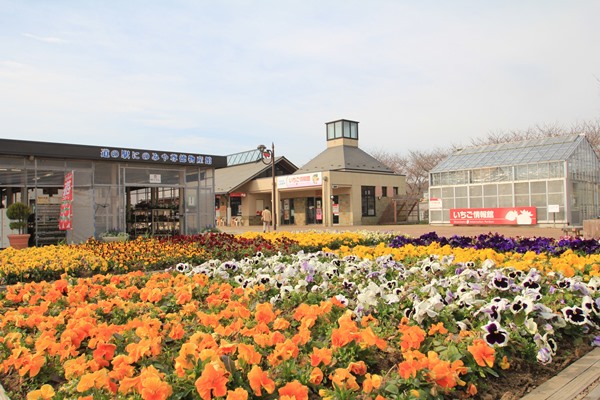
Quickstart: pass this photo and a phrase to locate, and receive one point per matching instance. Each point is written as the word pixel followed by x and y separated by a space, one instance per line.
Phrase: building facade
pixel 142 192
pixel 343 185
pixel 549 181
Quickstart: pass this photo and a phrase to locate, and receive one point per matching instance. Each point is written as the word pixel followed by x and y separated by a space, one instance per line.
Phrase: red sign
pixel 65 220
pixel 493 216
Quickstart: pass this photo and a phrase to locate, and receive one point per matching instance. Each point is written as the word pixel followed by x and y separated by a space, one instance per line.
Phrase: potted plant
pixel 18 213
pixel 114 235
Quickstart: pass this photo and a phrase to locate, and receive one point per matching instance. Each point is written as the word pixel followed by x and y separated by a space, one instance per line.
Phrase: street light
pixel 268 157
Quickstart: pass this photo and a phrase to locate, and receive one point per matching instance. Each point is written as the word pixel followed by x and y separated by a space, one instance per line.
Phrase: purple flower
pixel 596 341
pixel 495 335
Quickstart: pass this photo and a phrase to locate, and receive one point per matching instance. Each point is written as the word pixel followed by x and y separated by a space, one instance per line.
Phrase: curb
pixel 580 380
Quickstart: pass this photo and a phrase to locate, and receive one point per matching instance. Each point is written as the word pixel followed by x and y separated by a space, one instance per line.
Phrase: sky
pixel 221 77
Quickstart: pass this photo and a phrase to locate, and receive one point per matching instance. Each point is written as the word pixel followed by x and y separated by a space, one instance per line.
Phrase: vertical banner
pixel 65 221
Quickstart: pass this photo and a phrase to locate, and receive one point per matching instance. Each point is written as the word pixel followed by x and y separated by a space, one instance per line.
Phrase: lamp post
pixel 268 156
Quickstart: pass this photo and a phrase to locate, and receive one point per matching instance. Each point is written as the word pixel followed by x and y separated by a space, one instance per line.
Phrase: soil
pixel 521 378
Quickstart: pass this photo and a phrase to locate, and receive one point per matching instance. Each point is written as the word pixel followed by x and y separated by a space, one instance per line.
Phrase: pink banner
pixel 65 220
pixel 494 216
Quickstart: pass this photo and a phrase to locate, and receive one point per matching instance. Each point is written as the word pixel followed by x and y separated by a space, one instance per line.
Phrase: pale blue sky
pixel 219 77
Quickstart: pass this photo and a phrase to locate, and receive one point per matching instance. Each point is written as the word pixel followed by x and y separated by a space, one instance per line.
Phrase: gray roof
pixel 344 158
pixel 558 148
pixel 231 178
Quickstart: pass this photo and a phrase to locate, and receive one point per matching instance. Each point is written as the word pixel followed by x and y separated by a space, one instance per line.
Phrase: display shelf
pixel 46 225
pixel 153 222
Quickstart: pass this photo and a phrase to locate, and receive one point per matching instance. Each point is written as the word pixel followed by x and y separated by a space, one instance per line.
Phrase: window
pixel 384 191
pixel 395 190
pixel 368 200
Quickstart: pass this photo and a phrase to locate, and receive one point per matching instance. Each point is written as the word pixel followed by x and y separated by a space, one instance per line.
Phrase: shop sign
pixel 435 203
pixel 301 180
pixel 65 219
pixel 494 216
pixel 156 156
pixel 237 194
pixel 155 178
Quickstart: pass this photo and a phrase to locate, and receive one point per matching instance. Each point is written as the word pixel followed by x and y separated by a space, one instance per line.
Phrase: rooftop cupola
pixel 342 133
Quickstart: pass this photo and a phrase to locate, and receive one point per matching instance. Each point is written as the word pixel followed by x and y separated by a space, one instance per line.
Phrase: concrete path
pixel 414 230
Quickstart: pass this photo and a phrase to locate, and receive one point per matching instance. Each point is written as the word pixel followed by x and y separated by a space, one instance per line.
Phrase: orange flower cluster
pixel 149 335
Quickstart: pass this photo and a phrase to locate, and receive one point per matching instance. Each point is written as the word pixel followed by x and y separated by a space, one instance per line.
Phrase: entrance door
pixel 335 206
pixel 314 210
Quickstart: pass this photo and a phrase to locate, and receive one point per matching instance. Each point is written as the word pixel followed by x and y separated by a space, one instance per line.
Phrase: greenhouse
pixel 548 181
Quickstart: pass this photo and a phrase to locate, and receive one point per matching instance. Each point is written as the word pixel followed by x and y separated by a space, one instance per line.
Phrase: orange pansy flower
pixel 264 313
pixel 358 368
pixel 212 382
pixel 259 379
pixel 237 394
pixel 483 354
pixel 316 376
pixel 248 353
pixel 437 328
pixel 371 382
pixel 293 391
pixel 44 393
pixel 153 388
pixel 342 378
pixel 320 356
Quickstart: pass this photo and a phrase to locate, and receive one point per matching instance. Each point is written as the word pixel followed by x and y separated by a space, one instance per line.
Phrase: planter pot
pixel 110 239
pixel 19 241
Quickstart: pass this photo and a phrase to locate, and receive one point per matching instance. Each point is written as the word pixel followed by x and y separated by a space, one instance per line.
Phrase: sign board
pixel 155 178
pixel 65 219
pixel 435 203
pixel 553 208
pixel 494 216
pixel 300 180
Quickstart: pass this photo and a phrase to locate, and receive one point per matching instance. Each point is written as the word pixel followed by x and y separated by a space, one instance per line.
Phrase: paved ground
pixel 416 230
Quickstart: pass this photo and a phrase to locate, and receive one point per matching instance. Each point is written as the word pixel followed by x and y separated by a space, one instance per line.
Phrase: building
pixel 143 192
pixel 554 180
pixel 343 185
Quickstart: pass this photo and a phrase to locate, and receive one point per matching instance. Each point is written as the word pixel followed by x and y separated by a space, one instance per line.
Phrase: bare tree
pixel 415 166
pixel 591 129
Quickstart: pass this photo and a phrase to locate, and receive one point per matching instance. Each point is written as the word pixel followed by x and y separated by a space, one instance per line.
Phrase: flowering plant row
pixel 147 254
pixel 291 326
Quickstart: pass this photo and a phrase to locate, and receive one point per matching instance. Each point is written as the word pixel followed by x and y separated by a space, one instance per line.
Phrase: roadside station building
pixel 143 192
pixel 343 185
pixel 549 181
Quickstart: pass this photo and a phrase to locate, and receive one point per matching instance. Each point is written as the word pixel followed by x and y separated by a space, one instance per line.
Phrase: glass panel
pixel 354 130
pixel 461 202
pixel 505 201
pixel 538 200
pixel 522 188
pixel 435 215
pixel 556 186
pixel 489 190
pixel 538 187
pixel 490 201
pixel 476 202
pixel 460 191
pixel 435 192
pixel 338 129
pixel 521 200
pixel 330 131
pixel 521 172
pixel 476 190
pixel 556 198
pixel 137 176
pixel 346 132
pixel 106 173
pixel 505 189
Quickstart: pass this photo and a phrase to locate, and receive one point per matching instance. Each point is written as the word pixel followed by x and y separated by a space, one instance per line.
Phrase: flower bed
pixel 426 321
